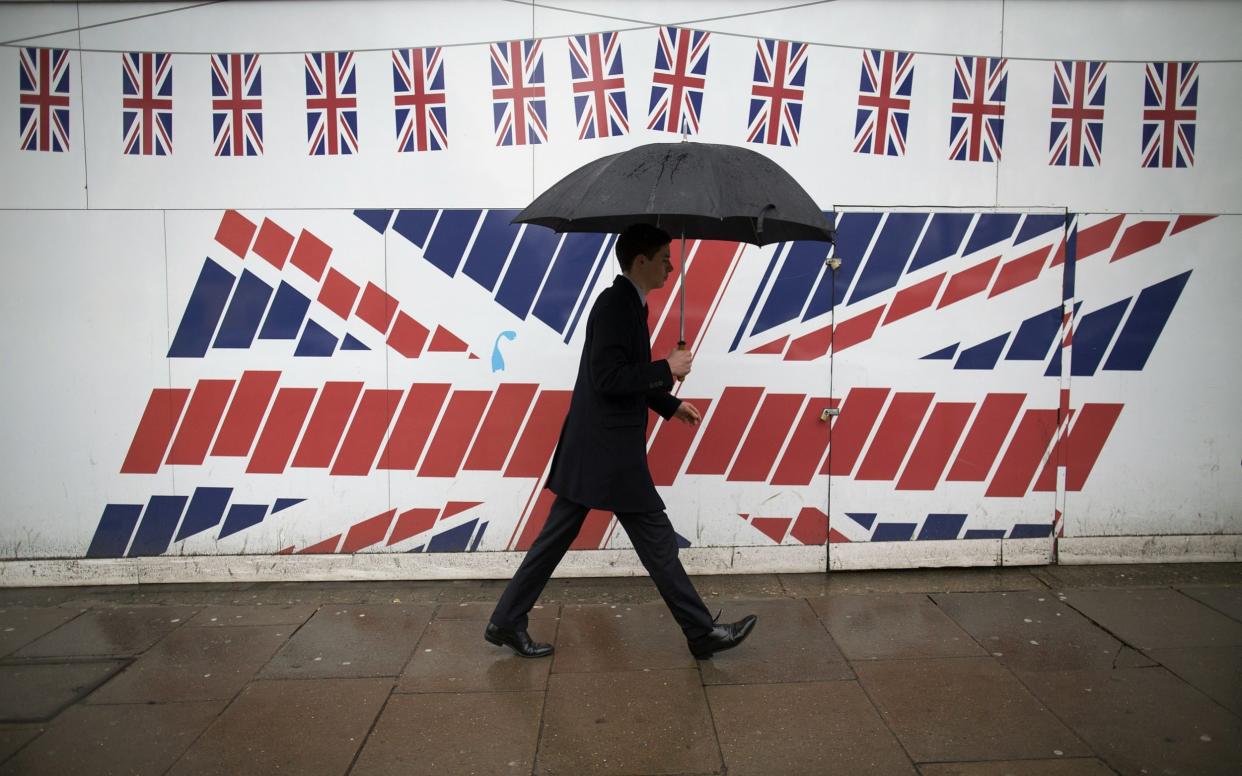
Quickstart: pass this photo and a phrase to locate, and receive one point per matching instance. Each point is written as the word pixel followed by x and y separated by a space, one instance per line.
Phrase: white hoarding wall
pixel 263 294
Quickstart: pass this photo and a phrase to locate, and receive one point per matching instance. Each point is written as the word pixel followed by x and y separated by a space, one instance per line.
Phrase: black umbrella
pixel 703 191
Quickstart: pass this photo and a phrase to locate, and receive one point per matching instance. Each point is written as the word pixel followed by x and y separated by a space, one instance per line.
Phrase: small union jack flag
pixel 331 103
pixel 884 102
pixel 237 104
pixel 978 113
pixel 599 85
pixel 1170 99
pixel 1077 136
pixel 519 109
pixel 776 96
pixel 146 103
pixel 419 97
pixel 678 81
pixel 43 84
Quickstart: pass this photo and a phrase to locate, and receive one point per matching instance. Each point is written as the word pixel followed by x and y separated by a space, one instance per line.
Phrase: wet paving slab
pixel 627 722
pixel 1226 600
pixel 911 581
pixel 809 728
pixel 311 727
pixel 788 644
pixel 1156 617
pixel 1144 720
pixel 1071 766
pixel 444 733
pixel 1140 575
pixel 351 640
pixel 618 637
pixel 452 657
pixel 232 615
pixel 1031 631
pixel 108 632
pixel 39 691
pixel 1214 671
pixel 106 740
pixel 892 625
pixel 962 709
pixel 21 625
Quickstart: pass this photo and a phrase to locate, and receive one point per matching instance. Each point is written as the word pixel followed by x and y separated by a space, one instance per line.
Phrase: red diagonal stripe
pixel 913 299
pixel 893 437
pixel 1096 238
pixel 202 418
pixel 413 426
pixel 1086 441
pixel 1185 222
pixel 986 436
pixel 369 532
pixel 672 443
pixel 811 346
pixel 1020 271
pixel 275 445
pixel 538 517
pixel 411 523
pixel 534 448
pixel 935 445
pixel 723 432
pixel 810 527
pixel 327 425
pixel 767 435
pixel 365 433
pixel 504 418
pixel 1026 451
pixel 968 282
pixel 457 428
pixel 245 413
pixel 155 430
pixel 850 430
pixel 807 448
pixel 1140 236
pixel 857 329
pixel 703 283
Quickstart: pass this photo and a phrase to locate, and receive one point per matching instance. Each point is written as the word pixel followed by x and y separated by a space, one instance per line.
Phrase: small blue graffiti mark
pixel 498 360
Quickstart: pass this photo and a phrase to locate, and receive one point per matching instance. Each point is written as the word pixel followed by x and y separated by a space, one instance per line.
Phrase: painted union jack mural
pixel 237 105
pixel 977 124
pixel 147 103
pixel 1170 107
pixel 1077 134
pixel 678 81
pixel 884 91
pixel 331 103
pixel 420 99
pixel 990 294
pixel 519 105
pixel 43 99
pixel 777 93
pixel 598 77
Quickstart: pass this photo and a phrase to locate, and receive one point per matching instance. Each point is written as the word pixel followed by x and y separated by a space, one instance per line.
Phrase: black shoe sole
pixel 516 651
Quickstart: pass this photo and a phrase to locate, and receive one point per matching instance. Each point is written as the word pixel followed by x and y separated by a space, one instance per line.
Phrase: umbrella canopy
pixel 702 191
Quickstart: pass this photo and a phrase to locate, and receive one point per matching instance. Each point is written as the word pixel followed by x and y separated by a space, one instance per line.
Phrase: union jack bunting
pixel 236 105
pixel 599 85
pixel 419 97
pixel 978 113
pixel 678 81
pixel 331 103
pixel 43 84
pixel 1170 99
pixel 884 102
pixel 776 96
pixel 1077 136
pixel 519 107
pixel 146 103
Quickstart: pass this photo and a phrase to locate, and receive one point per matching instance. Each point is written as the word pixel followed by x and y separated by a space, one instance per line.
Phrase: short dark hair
pixel 639 239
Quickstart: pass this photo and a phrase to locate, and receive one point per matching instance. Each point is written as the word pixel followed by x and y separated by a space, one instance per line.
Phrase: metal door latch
pixel 829 412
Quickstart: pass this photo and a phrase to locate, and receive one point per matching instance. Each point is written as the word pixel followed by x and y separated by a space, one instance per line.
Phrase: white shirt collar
pixel 641 296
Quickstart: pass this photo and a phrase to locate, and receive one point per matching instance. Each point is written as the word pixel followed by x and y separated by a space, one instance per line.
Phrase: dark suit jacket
pixel 601 458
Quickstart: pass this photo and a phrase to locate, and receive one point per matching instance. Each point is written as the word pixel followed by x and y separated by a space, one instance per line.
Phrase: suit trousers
pixel 652 536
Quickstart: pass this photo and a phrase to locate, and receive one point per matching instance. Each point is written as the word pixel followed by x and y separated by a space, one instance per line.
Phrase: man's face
pixel 652 271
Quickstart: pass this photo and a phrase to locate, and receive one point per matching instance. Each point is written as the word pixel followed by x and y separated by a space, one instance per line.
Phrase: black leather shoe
pixel 519 640
pixel 723 637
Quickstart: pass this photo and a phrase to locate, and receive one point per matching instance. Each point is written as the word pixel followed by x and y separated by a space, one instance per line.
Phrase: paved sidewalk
pixel 1051 671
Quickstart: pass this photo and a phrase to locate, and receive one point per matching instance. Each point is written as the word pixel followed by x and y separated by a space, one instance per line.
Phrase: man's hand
pixel 679 362
pixel 688 413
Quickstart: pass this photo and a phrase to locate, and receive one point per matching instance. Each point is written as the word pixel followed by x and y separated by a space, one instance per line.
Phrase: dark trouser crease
pixel 652 535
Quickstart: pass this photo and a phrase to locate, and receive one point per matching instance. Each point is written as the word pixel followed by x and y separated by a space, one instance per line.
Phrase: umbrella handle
pixel 681 345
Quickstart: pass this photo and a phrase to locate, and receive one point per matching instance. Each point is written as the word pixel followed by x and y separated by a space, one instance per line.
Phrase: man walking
pixel 601 458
